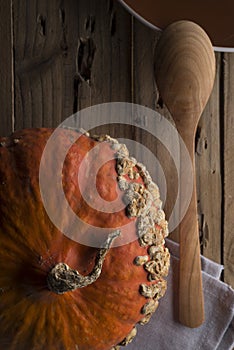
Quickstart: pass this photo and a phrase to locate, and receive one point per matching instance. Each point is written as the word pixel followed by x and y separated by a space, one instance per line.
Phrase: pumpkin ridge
pixel 13 233
pixel 11 313
pixel 38 329
pixel 27 327
pixel 104 308
pixel 87 321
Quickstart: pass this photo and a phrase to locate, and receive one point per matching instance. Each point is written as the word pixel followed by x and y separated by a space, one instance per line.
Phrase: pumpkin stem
pixel 63 279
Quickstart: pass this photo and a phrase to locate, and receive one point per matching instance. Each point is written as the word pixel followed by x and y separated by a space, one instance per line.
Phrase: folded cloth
pixel 164 332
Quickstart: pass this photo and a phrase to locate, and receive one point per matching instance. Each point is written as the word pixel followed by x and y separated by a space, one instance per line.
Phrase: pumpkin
pixel 58 293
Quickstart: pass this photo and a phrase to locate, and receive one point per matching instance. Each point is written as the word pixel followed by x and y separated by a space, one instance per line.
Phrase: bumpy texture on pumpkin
pixel 103 314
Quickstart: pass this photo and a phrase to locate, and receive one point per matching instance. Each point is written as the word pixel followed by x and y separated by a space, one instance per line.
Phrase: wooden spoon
pixel 185 71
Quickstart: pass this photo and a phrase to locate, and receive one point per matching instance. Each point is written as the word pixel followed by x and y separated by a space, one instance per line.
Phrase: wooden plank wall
pixel 228 167
pixel 61 56
pixel 6 68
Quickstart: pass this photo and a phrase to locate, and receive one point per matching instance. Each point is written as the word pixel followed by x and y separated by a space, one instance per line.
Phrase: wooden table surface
pixel 57 57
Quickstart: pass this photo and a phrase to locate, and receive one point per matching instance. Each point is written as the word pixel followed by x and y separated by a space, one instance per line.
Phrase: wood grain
pixel 104 60
pixel 185 70
pixel 105 28
pixel 228 154
pixel 145 92
pixel 45 43
pixel 208 173
pixel 6 68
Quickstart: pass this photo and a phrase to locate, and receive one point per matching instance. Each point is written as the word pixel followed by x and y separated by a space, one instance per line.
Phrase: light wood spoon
pixel 184 72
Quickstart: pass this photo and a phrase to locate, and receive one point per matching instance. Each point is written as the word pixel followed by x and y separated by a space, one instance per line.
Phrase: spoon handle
pixel 191 301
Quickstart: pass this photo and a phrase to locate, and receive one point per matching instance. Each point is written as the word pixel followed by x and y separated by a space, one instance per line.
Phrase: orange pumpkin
pixel 58 293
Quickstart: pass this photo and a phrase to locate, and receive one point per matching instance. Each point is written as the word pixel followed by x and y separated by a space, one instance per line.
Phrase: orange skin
pixel 32 317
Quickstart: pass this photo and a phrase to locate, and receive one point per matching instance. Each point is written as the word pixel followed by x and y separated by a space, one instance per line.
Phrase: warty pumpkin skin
pixel 98 316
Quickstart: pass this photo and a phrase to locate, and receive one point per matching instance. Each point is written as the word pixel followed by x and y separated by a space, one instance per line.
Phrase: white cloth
pixel 163 332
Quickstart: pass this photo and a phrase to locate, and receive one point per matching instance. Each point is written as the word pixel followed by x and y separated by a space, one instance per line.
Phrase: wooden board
pixel 6 68
pixel 228 162
pixel 45 50
pixel 208 173
pixel 104 58
pixel 145 93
